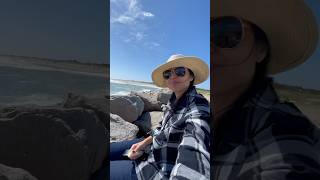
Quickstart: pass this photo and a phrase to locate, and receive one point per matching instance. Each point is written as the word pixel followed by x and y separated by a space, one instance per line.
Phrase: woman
pixel 179 147
pixel 256 135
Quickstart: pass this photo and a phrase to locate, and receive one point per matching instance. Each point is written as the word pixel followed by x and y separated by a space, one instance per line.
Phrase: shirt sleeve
pixel 193 160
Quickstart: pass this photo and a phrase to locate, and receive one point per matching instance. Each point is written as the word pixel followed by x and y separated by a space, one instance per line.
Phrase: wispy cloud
pixel 127 12
pixel 134 37
pixel 131 22
pixel 151 45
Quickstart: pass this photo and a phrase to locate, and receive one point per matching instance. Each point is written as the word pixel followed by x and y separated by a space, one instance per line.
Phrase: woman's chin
pixel 177 88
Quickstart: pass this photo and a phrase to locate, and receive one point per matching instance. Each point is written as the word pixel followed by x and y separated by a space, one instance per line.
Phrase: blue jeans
pixel 120 167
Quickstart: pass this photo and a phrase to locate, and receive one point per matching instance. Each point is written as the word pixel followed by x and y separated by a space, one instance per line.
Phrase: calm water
pixel 22 86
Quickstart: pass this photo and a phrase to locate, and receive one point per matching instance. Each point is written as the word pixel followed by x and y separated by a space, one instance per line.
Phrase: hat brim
pixel 290 26
pixel 196 65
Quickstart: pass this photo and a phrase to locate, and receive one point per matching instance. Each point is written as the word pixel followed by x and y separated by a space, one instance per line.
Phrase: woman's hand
pixel 136 150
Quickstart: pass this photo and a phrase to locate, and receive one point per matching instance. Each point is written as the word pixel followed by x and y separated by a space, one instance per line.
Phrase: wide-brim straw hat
pixel 290 26
pixel 196 65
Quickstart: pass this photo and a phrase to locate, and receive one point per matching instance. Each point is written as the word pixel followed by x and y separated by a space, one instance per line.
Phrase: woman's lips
pixel 175 82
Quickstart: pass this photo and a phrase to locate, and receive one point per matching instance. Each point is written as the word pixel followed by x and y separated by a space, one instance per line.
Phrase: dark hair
pixel 191 73
pixel 261 38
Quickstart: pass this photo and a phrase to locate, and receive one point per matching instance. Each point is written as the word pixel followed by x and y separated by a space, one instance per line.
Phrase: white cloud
pixel 151 45
pixel 123 19
pixel 127 12
pixel 148 14
pixel 135 37
pixel 154 44
pixel 139 36
pixel 129 19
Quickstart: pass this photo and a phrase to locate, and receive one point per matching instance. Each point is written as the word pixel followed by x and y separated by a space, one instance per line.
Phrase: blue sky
pixel 59 29
pixel 144 33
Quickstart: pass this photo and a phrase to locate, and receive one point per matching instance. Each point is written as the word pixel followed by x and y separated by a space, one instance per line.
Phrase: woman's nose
pixel 173 75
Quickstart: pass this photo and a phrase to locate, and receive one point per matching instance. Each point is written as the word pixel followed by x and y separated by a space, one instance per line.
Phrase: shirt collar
pixel 183 101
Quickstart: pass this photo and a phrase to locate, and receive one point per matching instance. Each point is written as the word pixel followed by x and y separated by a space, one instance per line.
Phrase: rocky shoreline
pixel 70 140
pixel 65 141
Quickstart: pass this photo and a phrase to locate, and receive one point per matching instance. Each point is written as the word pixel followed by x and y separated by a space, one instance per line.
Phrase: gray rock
pixel 53 143
pixel 127 107
pixel 164 96
pixel 98 104
pixel 148 121
pixel 150 100
pixel 121 130
pixel 10 173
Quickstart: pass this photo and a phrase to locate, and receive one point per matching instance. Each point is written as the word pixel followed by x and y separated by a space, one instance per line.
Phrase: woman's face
pixel 234 68
pixel 178 82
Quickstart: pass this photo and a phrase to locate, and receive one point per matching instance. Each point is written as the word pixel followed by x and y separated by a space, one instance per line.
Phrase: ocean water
pixel 122 87
pixel 42 87
pixel 24 86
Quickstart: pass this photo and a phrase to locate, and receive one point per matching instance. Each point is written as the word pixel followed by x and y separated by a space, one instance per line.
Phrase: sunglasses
pixel 179 71
pixel 226 32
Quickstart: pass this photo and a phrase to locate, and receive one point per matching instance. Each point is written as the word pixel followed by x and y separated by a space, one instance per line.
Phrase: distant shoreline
pixel 68 66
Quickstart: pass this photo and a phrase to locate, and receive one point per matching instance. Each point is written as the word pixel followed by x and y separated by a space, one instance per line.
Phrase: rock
pixel 127 107
pixel 98 104
pixel 148 121
pixel 10 173
pixel 150 100
pixel 53 143
pixel 121 130
pixel 164 96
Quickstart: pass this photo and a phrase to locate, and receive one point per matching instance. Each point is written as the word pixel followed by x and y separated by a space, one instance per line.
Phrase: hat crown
pixel 175 56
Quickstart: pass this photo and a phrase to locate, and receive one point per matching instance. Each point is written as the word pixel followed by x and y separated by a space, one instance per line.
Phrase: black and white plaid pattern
pixel 180 148
pixel 264 139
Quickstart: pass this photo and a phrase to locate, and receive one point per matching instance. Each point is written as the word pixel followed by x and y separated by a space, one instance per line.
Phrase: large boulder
pixel 53 143
pixel 10 173
pixel 150 100
pixel 121 130
pixel 148 121
pixel 164 96
pixel 128 107
pixel 154 100
pixel 98 104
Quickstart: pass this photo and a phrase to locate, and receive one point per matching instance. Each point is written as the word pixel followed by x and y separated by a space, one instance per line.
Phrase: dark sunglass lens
pixel 227 32
pixel 166 74
pixel 180 71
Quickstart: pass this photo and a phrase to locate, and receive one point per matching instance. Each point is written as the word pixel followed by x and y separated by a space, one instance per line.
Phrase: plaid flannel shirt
pixel 180 148
pixel 264 139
